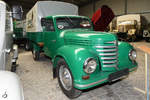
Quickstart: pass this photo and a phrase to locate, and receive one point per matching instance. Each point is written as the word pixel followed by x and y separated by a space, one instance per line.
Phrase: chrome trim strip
pixel 108 54
pixel 81 86
pixel 106 46
pixel 108 58
pixel 110 62
pixel 106 50
pixel 114 42
pixel 109 65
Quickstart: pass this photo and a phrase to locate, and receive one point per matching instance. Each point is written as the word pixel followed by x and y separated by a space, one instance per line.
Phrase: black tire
pixel 36 55
pixel 72 92
pixel 147 39
pixel 13 67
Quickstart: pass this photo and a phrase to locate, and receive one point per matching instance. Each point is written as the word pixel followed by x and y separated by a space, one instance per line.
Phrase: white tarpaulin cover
pixel 47 8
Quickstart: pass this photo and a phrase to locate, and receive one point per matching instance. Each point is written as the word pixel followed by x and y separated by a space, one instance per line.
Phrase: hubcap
pixel 65 77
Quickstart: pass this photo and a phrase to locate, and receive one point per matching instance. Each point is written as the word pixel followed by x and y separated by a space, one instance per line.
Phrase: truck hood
pixel 77 35
pixel 98 43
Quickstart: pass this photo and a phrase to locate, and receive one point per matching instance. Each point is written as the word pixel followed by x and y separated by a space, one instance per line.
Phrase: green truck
pixel 82 58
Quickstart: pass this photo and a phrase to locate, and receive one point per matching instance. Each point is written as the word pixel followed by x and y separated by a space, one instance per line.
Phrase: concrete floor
pixel 38 84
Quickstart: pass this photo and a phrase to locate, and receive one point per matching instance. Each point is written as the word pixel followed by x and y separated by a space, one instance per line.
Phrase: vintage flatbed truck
pixel 82 58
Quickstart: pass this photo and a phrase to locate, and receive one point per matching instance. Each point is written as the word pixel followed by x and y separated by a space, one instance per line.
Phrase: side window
pixel 49 26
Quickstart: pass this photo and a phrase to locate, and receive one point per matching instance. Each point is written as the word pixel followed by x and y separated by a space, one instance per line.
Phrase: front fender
pixel 123 52
pixel 75 57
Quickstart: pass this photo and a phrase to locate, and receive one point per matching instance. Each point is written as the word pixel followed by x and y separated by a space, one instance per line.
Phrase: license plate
pixel 118 75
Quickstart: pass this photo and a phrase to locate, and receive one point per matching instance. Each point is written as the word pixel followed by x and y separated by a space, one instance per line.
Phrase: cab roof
pixel 76 16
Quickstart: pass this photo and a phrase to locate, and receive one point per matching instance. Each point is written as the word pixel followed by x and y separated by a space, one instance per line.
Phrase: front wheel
pixel 65 80
pixel 36 55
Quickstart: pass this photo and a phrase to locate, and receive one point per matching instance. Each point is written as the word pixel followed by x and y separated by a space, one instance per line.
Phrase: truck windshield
pixel 71 23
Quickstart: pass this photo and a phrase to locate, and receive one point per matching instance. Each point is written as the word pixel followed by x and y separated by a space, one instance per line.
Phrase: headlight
pixel 146 32
pixel 90 65
pixel 132 55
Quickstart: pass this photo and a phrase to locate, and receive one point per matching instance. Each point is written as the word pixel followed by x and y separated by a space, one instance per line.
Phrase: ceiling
pixel 28 4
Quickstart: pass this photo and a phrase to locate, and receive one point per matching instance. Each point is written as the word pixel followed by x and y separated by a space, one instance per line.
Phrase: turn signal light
pixel 85 77
pixel 41 44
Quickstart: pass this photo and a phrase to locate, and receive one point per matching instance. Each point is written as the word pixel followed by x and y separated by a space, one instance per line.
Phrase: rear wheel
pixel 36 54
pixel 65 80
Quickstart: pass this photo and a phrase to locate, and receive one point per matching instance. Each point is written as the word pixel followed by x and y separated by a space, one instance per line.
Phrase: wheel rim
pixel 65 77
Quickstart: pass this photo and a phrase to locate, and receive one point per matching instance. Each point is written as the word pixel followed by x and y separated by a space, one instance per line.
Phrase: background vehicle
pixel 18 32
pixel 13 90
pixel 6 44
pixel 82 58
pixel 146 33
pixel 130 27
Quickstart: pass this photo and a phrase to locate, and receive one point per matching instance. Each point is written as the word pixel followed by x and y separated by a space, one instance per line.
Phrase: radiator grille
pixel 108 53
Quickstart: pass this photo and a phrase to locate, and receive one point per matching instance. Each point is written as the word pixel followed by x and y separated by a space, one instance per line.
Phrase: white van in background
pixel 10 87
pixel 6 41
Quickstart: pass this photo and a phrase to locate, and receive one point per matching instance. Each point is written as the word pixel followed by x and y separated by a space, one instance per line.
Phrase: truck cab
pixel 82 58
pixel 55 25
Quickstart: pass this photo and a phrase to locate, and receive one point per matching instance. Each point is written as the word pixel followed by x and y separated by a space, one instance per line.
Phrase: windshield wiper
pixel 71 22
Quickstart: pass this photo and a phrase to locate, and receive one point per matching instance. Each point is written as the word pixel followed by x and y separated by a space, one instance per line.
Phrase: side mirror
pixel 17 12
pixel 43 22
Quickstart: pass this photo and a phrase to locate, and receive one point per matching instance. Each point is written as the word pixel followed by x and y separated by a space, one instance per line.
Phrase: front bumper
pixel 103 77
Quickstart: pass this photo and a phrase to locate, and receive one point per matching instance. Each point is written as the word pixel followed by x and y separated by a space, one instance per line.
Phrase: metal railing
pixel 146 50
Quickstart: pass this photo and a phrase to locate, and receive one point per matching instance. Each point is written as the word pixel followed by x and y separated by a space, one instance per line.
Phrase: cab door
pixel 49 38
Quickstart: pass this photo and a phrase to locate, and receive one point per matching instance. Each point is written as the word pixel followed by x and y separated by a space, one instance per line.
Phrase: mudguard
pixel 75 57
pixel 10 87
pixel 123 54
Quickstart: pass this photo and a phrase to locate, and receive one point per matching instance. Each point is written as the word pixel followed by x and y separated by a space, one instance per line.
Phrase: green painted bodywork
pixel 18 37
pixel 17 31
pixel 75 46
